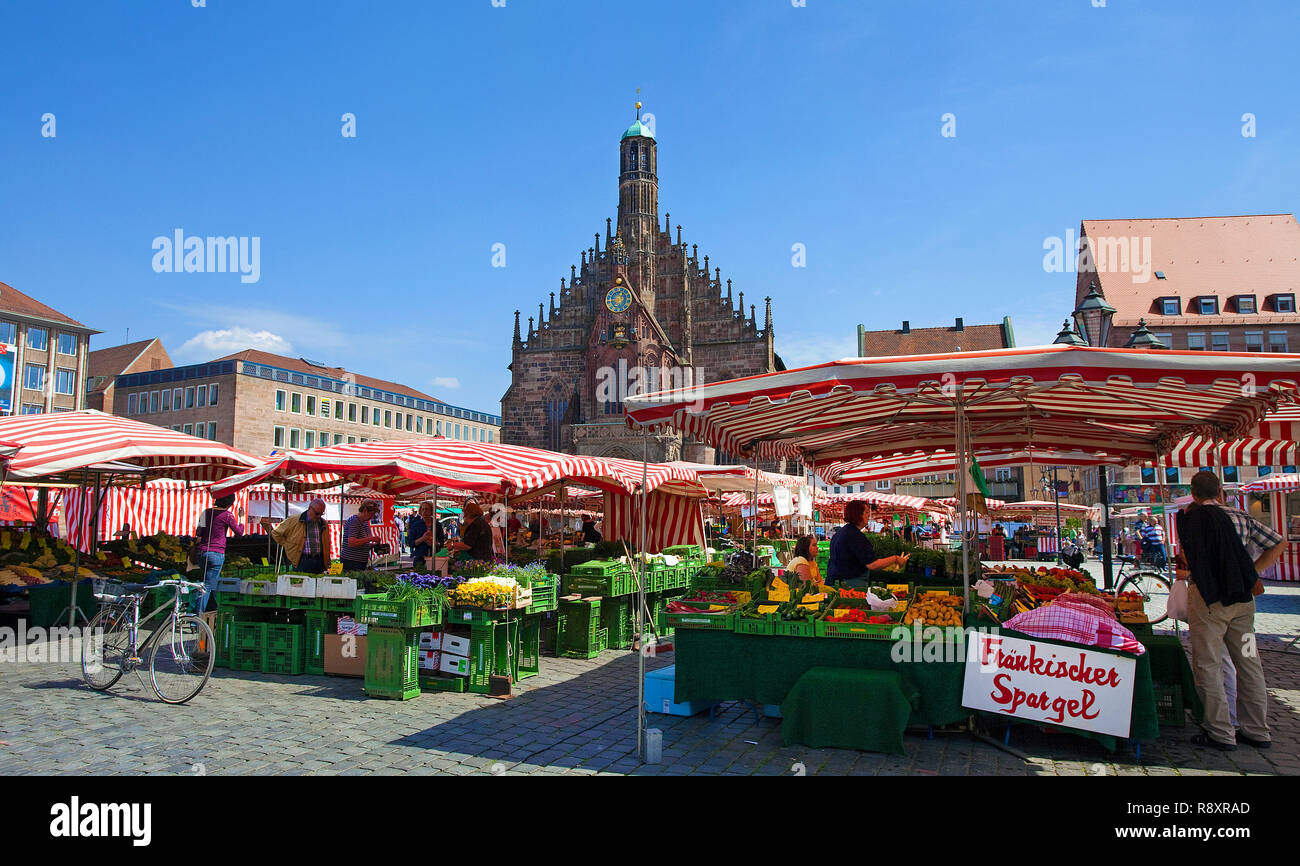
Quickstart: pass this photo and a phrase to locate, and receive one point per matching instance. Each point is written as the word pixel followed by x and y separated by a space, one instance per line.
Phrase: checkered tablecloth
pixel 1078 621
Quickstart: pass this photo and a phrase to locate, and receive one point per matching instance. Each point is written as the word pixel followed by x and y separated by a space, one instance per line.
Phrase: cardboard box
pixel 340 664
pixel 429 660
pixel 453 645
pixel 430 640
pixel 450 664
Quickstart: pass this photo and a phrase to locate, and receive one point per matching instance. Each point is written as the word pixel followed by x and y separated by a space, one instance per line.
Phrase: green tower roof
pixel 637 129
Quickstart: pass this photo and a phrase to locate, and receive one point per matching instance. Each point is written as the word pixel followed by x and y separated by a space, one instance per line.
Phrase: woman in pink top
pixel 214 523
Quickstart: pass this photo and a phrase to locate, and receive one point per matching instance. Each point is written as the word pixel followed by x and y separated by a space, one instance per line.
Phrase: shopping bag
pixel 1177 605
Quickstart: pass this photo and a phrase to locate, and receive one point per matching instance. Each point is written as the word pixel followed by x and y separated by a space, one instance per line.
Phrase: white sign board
pixel 805 502
pixel 1075 687
pixel 782 501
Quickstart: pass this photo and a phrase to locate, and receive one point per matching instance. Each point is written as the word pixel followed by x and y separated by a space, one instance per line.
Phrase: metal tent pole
pixel 753 549
pixel 961 503
pixel 1107 563
pixel 1056 497
pixel 640 603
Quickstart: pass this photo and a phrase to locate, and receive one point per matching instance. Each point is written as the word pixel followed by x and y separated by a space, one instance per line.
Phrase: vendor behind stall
pixel 305 538
pixel 475 542
pixel 590 535
pixel 852 556
pixel 358 540
pixel 426 537
pixel 804 561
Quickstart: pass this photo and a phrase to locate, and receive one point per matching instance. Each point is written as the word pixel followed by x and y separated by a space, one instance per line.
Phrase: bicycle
pixel 1152 585
pixel 182 649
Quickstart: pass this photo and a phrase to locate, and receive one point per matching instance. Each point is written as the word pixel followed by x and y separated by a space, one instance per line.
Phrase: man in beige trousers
pixel 1225 549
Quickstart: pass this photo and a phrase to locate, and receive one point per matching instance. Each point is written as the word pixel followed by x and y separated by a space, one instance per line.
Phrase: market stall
pixel 1281 494
pixel 1118 404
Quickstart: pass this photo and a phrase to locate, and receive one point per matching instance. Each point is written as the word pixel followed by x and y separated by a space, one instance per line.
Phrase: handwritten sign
pixel 1075 687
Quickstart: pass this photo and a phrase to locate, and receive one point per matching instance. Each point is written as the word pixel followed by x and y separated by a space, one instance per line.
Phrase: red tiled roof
pixel 932 341
pixel 1200 257
pixel 14 301
pixel 113 361
pixel 302 365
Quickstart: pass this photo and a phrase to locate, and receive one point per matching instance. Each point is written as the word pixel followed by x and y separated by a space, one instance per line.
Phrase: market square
pixel 993 475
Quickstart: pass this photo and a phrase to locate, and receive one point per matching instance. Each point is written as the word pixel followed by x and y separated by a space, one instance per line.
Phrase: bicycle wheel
pixel 184 650
pixel 105 646
pixel 1154 588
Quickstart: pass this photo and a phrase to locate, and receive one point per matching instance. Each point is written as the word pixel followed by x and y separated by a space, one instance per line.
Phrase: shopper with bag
pixel 209 549
pixel 1223 580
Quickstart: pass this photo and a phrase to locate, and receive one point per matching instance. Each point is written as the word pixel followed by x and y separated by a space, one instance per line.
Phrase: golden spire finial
pixel 638 104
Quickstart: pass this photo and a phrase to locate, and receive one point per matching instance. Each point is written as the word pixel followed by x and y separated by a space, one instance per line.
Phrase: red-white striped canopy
pixel 404 468
pixel 1130 403
pixel 1282 423
pixel 1199 451
pixel 1035 508
pixel 1274 484
pixel 921 463
pixel 61 442
pixel 951 502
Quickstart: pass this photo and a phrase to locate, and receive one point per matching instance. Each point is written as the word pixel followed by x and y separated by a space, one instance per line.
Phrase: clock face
pixel 618 299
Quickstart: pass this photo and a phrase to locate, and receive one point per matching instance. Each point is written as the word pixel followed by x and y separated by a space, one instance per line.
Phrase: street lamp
pixel 1049 483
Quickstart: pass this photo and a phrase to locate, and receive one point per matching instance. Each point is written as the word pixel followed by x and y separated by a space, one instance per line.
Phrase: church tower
pixel 638 205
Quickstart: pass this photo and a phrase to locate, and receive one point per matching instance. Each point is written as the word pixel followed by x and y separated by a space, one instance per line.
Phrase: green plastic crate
pixel 530 647
pixel 472 616
pixel 493 651
pixel 616 619
pixel 248 635
pixel 226 619
pixel 228 599
pixel 1170 708
pixel 712 622
pixel 442 684
pixel 283 662
pixel 599 567
pixel 242 659
pixel 545 598
pixel 316 625
pixel 267 601
pixel 608 585
pixel 293 602
pixel 392 663
pixel 284 648
pixel 692 552
pixel 579 633
pixel 376 609
pixel 795 628
pixel 346 606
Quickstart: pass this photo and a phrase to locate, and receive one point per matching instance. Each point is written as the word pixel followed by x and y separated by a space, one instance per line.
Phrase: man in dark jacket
pixel 1223 579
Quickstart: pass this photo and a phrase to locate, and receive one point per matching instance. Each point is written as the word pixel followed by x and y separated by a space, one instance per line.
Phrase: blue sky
pixel 478 125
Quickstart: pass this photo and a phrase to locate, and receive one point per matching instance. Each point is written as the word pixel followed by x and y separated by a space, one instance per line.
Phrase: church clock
pixel 618 299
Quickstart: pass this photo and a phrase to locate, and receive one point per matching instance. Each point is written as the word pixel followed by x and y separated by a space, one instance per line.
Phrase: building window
pixel 1284 303
pixel 281 401
pixel 1246 304
pixel 132 406
pixel 1170 307
pixel 439 427
pixel 167 401
pixel 457 431
pixel 881 485
pixel 1002 475
pixel 1208 306
pixel 1171 474
pixel 31 409
pixel 212 394
pixel 1230 475
pixel 410 421
pixel 63 379
pixel 323 438
pixel 324 407
pixel 295 403
pixel 189 430
pixel 311 405
pixel 201 396
pixel 1167 339
pixel 1277 341
pixel 8 333
pixel 374 416
pixel 352 440
pixel 1219 341
pixel 1148 475
pixel 338 410
pixel 67 344
pixel 1289 470
pixel 189 397
pixel 277 437
pixel 153 401
pixel 365 414
pixel 338 438
pixel 309 439
pixel 1254 341
pixel 491 435
pixel 388 418
pixel 1196 342
pixel 38 339
pixel 352 412
pixel 295 438
pixel 419 424
pixel 212 430
pixel 836 490
pixel 1265 470
pixel 34 377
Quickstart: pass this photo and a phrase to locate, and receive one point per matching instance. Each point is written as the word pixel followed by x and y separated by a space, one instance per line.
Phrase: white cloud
pixel 446 381
pixel 206 345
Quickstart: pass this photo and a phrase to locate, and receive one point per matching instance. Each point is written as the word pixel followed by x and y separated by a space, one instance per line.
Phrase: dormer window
pixel 1245 304
pixel 1207 306
pixel 1169 306
pixel 1284 303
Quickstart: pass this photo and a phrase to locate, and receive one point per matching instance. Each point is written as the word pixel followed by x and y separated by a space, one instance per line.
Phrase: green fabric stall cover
pixel 847 708
pixel 1169 666
pixel 725 666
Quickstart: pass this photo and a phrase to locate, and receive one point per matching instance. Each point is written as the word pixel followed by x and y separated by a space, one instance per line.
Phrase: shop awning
pixel 1280 483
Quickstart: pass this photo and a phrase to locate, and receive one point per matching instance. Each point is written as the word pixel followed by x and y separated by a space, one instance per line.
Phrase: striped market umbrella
pixel 62 444
pixel 1273 484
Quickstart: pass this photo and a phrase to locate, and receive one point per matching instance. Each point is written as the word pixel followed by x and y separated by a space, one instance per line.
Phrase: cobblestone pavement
pixel 577 717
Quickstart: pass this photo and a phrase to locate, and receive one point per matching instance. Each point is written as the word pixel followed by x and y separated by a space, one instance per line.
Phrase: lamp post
pixel 1056 497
